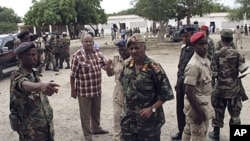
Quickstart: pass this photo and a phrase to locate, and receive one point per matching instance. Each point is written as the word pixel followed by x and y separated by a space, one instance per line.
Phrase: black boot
pixel 215 135
pixel 177 136
pixel 61 66
pixel 47 68
pixel 68 67
pixel 56 69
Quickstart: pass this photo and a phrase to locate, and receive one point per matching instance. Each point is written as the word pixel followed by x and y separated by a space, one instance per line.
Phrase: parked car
pixel 8 60
pixel 176 37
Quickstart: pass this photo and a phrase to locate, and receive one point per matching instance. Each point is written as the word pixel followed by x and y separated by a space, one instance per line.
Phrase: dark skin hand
pixel 147 112
pixel 46 88
pixel 190 92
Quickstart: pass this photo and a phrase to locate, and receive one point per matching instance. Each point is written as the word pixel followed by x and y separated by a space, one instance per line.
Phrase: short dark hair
pixel 226 39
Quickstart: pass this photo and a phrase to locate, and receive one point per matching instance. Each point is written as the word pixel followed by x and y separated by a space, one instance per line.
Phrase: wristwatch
pixel 153 109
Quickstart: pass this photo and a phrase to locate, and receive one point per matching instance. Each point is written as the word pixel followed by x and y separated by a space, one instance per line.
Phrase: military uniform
pixel 198 74
pixel 142 88
pixel 229 92
pixel 57 45
pixel 50 57
pixel 211 47
pixel 35 115
pixel 65 55
pixel 219 45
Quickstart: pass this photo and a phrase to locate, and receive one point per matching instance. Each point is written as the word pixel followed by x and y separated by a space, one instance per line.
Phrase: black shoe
pixel 47 68
pixel 100 132
pixel 177 136
pixel 56 69
pixel 67 67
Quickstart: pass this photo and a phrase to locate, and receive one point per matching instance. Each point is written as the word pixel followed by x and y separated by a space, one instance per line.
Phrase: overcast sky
pixel 110 6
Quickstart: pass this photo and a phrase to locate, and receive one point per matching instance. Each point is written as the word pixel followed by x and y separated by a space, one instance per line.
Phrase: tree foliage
pixel 64 12
pixel 129 11
pixel 237 14
pixel 9 20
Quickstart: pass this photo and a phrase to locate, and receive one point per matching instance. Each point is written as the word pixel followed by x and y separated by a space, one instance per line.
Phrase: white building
pixel 219 20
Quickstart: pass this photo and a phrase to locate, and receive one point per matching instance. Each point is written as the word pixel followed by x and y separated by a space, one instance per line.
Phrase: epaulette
pixel 155 67
pixel 131 63
pixel 144 68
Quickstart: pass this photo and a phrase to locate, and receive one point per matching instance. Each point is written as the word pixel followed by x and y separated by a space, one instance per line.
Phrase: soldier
pixel 114 68
pixel 65 55
pixel 23 36
pixel 187 52
pixel 198 90
pixel 210 41
pixel 229 92
pixel 57 45
pixel 31 114
pixel 49 49
pixel 146 87
pixel 219 44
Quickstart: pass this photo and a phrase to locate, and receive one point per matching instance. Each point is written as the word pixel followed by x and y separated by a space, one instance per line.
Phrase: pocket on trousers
pixel 14 121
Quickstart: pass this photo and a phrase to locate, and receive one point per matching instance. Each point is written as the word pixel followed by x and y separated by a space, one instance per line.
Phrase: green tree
pixel 157 10
pixel 238 13
pixel 9 20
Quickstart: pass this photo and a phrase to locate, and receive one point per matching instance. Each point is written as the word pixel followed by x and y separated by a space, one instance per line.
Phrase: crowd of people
pixel 207 84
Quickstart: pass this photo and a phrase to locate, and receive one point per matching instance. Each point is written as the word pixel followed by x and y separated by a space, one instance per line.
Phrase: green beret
pixel 136 38
pixel 226 33
pixel 24 46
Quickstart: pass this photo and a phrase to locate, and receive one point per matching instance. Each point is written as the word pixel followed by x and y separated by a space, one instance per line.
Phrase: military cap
pixel 22 34
pixel 226 33
pixel 187 29
pixel 197 36
pixel 23 47
pixel 121 43
pixel 136 38
pixel 204 28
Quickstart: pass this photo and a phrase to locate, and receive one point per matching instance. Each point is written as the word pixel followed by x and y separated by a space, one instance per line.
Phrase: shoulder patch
pixel 131 63
pixel 155 67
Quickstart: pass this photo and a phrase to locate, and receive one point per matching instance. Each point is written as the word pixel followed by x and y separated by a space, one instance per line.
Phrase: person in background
pixel 65 55
pixel 229 92
pixel 187 52
pixel 237 37
pixel 198 90
pixel 114 68
pixel 85 80
pixel 31 114
pixel 210 41
pixel 146 88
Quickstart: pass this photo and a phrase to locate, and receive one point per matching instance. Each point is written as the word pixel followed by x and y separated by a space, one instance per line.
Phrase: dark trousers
pixel 180 93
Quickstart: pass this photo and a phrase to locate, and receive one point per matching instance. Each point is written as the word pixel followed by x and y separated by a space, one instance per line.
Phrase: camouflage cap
pixel 226 33
pixel 23 47
pixel 136 38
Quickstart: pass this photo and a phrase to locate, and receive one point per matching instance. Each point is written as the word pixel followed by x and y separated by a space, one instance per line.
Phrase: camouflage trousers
pixel 41 134
pixel 234 107
pixel 50 59
pixel 195 132
pixel 134 128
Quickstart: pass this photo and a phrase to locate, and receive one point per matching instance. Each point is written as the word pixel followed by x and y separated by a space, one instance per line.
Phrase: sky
pixel 110 6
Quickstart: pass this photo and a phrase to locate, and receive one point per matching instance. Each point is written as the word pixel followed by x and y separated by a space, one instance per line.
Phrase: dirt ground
pixel 66 111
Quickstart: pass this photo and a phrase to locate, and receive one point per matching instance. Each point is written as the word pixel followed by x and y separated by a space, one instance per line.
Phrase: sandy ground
pixel 66 111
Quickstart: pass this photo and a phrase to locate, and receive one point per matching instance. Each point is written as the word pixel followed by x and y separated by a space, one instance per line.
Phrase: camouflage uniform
pixel 198 74
pixel 57 44
pixel 142 89
pixel 32 109
pixel 210 51
pixel 226 66
pixel 65 55
pixel 219 45
pixel 50 57
pixel 187 52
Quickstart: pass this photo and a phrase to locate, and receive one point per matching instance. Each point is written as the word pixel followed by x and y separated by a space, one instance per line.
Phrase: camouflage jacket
pixel 211 47
pixel 32 108
pixel 186 54
pixel 225 67
pixel 65 44
pixel 57 44
pixel 219 45
pixel 142 89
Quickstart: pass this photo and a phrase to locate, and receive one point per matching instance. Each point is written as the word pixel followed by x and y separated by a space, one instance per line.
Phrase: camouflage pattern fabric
pixel 50 54
pixel 211 47
pixel 219 45
pixel 32 108
pixel 228 87
pixel 142 89
pixel 64 55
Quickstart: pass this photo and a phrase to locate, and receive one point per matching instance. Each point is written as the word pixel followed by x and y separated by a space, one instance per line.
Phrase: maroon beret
pixel 197 36
pixel 203 28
